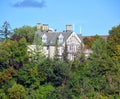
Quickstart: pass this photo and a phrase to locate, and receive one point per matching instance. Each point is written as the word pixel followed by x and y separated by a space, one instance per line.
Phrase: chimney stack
pixel 38 26
pixel 45 27
pixel 68 28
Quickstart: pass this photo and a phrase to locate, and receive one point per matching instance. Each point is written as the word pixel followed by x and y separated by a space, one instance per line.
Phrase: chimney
pixel 68 28
pixel 45 27
pixel 38 26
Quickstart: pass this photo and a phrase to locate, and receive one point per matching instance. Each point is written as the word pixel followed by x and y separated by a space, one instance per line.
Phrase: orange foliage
pixel 7 75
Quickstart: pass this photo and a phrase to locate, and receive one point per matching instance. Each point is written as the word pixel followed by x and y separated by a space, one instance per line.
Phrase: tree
pixel 58 73
pixel 6 75
pixel 88 41
pixel 56 53
pixel 25 31
pixel 96 77
pixel 80 53
pixel 114 52
pixel 114 43
pixel 13 53
pixel 102 71
pixel 17 91
pixel 6 31
pixel 38 53
pixel 65 53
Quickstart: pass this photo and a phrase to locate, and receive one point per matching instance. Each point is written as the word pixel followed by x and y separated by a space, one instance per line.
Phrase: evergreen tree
pixel 56 53
pixel 80 53
pixel 65 53
pixel 6 29
pixel 38 52
pixel 114 52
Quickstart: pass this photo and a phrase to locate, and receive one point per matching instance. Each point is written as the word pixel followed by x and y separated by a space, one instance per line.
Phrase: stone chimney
pixel 38 26
pixel 45 27
pixel 69 28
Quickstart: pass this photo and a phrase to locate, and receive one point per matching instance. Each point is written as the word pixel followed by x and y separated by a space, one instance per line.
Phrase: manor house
pixel 49 37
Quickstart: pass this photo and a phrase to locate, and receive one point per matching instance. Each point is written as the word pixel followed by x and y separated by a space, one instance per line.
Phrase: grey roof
pixel 53 36
pixel 80 36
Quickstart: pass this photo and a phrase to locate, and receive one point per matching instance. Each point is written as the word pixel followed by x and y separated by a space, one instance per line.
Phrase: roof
pixel 80 36
pixel 53 36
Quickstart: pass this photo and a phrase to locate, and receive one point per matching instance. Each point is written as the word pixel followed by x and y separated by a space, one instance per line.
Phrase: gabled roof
pixel 80 36
pixel 53 36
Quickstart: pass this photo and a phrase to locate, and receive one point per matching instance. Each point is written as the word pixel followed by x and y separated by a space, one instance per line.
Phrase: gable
pixel 44 36
pixel 73 39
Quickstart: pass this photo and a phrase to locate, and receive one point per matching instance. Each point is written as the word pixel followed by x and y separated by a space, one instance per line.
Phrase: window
pixel 72 48
pixel 44 39
pixel 60 38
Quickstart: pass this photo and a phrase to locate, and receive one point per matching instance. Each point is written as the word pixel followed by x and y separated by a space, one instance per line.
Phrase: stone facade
pixel 49 37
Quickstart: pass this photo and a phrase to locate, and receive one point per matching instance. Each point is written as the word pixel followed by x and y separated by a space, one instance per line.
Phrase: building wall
pixel 51 51
pixel 73 45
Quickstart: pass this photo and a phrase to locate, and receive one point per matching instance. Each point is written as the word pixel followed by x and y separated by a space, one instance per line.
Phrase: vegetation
pixel 88 41
pixel 97 77
pixel 56 55
pixel 26 31
pixel 65 53
pixel 6 29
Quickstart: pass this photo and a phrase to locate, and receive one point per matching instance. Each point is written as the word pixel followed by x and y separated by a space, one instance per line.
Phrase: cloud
pixel 30 3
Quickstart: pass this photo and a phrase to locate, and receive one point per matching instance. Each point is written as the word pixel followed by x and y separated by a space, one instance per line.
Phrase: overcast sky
pixel 93 16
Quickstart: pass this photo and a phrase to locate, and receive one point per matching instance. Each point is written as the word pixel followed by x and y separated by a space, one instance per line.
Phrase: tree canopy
pixel 25 31
pixel 97 77
pixel 6 29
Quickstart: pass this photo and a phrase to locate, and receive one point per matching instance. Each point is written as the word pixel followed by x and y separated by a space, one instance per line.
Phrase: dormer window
pixel 60 38
pixel 44 38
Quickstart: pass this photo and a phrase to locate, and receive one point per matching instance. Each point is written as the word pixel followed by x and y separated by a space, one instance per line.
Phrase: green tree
pixel 114 52
pixel 114 42
pixel 80 53
pixel 6 29
pixel 4 59
pixel 3 94
pixel 37 55
pixel 17 91
pixel 58 73
pixel 14 53
pixel 41 92
pixel 88 41
pixel 98 64
pixel 65 53
pixel 96 77
pixel 56 53
pixel 25 31
pixel 102 71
